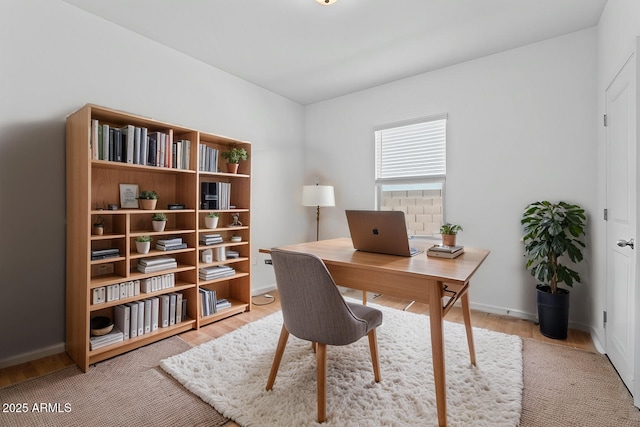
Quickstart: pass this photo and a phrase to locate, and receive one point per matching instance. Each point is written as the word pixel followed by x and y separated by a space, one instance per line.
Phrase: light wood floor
pixel 263 306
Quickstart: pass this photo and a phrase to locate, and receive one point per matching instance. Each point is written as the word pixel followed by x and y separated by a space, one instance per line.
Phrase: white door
pixel 621 221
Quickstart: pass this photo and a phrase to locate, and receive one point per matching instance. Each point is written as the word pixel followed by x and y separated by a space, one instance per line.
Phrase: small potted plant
pixel 211 220
pixel 143 244
pixel 148 199
pixel 159 221
pixel 553 231
pixel 234 156
pixel 98 226
pixel 449 232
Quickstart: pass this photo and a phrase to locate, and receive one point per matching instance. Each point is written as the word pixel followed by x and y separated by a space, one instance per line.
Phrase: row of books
pixel 136 145
pixel 170 244
pixel 137 318
pixel 208 158
pixel 215 272
pixel 132 288
pixel 152 265
pixel 215 195
pixel 210 304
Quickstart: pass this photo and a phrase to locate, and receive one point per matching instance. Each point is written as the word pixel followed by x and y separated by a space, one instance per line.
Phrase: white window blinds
pixel 414 150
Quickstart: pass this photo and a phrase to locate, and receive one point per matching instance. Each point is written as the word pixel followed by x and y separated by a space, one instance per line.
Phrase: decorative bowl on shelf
pixel 101 325
pixel 236 239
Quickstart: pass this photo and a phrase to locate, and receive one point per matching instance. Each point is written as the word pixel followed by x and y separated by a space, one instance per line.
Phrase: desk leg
pixel 466 313
pixel 436 314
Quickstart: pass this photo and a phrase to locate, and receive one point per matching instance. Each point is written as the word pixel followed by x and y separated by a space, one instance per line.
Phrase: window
pixel 411 167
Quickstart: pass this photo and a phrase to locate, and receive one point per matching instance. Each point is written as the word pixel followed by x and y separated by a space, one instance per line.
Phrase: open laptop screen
pixel 382 232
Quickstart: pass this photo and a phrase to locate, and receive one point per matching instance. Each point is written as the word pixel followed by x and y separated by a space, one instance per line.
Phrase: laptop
pixel 383 232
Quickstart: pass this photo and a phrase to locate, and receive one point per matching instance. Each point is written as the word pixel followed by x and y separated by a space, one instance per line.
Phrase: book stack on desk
pixel 442 251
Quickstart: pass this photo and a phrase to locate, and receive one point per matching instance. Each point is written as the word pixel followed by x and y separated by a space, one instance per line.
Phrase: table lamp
pixel 318 195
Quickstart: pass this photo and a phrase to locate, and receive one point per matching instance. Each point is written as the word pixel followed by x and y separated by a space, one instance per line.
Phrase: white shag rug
pixel 230 373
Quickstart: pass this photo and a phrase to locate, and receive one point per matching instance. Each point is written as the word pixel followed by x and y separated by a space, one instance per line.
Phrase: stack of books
pixel 217 272
pixel 111 338
pixel 232 254
pixel 151 265
pixel 170 244
pixel 442 251
pixel 210 239
pixel 104 253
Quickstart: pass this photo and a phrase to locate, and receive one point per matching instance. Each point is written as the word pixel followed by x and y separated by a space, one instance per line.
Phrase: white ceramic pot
pixel 143 247
pixel 159 225
pixel 211 222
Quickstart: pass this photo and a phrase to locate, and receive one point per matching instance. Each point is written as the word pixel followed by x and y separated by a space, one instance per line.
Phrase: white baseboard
pixel 263 290
pixel 32 355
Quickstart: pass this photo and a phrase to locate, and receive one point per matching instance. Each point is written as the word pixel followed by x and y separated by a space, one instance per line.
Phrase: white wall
pixel 56 58
pixel 521 128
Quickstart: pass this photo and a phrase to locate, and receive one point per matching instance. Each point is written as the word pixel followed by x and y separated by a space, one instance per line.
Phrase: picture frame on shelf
pixel 129 196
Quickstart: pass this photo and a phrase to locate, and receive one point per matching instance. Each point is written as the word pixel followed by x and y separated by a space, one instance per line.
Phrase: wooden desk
pixel 436 281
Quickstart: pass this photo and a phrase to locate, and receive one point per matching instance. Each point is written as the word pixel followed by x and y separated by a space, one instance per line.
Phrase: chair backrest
pixel 312 306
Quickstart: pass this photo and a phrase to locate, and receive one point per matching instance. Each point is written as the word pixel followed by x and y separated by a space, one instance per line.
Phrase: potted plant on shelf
pixel 98 226
pixel 148 199
pixel 159 221
pixel 553 231
pixel 143 244
pixel 211 220
pixel 449 232
pixel 234 156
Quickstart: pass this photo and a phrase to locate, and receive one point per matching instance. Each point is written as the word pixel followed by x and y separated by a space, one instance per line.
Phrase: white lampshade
pixel 326 2
pixel 318 195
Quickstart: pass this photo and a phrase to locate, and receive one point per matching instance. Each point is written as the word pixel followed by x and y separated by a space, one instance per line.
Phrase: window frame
pixel 438 179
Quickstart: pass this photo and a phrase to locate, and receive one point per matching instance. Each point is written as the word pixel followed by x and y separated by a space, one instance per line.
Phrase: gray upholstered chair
pixel 314 310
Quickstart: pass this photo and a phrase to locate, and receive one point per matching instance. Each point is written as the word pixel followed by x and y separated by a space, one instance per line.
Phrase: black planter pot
pixel 553 312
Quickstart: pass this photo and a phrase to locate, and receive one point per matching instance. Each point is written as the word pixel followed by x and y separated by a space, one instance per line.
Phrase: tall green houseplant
pixel 551 231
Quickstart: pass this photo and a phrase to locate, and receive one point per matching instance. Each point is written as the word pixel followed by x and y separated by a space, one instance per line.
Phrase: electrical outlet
pixel 254 261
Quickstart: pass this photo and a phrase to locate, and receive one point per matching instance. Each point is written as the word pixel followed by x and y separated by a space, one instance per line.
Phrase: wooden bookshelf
pixel 93 184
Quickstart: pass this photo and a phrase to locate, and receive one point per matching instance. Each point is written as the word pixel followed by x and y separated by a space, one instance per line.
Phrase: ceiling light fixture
pixel 326 2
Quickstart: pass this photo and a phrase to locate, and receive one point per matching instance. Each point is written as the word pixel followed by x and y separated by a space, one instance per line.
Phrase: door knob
pixel 623 243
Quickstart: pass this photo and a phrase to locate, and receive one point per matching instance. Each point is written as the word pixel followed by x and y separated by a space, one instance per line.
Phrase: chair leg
pixel 373 346
pixel 282 343
pixel 322 382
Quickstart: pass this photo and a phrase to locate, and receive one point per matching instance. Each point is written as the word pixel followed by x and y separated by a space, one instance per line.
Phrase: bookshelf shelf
pixel 96 133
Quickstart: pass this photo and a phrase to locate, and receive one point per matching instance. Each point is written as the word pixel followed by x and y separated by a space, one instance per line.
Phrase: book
pixel 163 312
pixel 141 315
pixel 172 309
pixel 133 319
pixel 147 316
pixel 155 313
pixel 439 251
pixel 122 319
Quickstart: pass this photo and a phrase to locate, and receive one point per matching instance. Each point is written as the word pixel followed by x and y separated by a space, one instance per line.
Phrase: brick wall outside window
pixel 422 208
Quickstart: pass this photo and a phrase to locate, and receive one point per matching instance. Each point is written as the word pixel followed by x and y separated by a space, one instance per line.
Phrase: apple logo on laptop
pixel 375 231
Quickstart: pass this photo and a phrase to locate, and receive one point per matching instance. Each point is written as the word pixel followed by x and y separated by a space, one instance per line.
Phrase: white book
pixel 128 133
pixel 155 313
pixel 147 315
pixel 141 314
pixel 178 307
pixel 136 287
pixel 105 142
pixel 130 289
pixel 133 319
pixel 95 143
pixel 123 290
pixel 163 314
pixel 121 319
pixel 172 309
pixel 137 145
